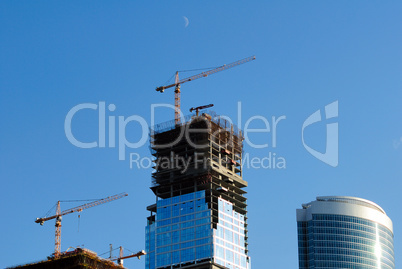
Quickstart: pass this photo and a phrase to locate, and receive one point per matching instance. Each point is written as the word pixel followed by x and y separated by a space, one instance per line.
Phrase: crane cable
pixel 130 251
pixel 108 252
pixel 51 210
pixel 199 69
pixel 72 201
pixel 189 70
pixel 79 219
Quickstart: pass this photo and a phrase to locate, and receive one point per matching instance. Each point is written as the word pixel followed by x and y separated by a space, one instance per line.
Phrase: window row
pixel 181 198
pixel 185 255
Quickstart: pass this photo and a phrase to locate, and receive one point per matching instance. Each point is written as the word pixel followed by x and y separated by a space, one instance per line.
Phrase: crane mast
pixel 59 214
pixel 177 99
pixel 178 82
pixel 57 244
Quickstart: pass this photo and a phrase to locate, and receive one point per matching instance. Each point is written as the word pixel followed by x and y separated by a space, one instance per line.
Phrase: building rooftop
pixel 349 200
pixel 221 121
pixel 76 259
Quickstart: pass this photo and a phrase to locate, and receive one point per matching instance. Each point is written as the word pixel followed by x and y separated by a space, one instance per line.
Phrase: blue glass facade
pixel 230 239
pixel 182 233
pixel 341 241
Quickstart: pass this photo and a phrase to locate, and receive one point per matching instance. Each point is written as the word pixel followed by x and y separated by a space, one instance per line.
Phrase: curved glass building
pixel 344 232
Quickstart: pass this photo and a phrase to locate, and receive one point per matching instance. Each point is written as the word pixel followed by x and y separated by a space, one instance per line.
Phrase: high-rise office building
pixel 199 219
pixel 344 232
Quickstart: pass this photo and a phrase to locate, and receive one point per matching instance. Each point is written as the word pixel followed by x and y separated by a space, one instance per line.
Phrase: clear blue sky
pixel 56 55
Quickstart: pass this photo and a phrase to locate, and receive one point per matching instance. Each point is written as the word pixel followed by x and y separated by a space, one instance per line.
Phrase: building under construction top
pixel 199 219
pixel 76 259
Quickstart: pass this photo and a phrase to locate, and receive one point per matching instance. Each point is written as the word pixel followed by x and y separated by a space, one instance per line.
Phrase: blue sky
pixel 56 55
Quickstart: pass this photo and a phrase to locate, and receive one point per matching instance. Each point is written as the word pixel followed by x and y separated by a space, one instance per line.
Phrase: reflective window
pixel 337 241
pixel 183 233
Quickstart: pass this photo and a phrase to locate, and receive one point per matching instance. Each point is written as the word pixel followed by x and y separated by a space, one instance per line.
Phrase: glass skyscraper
pixel 199 219
pixel 344 232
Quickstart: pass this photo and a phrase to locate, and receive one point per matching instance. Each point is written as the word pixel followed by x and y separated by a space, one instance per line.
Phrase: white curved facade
pixel 344 232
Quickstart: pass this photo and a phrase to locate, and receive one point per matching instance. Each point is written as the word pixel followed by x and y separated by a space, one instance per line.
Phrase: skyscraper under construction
pixel 199 219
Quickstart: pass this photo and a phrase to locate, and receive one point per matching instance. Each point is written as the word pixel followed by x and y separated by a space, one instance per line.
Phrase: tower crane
pixel 121 257
pixel 60 213
pixel 178 82
pixel 198 108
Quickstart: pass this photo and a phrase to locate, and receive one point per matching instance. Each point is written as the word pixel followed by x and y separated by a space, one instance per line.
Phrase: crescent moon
pixel 186 21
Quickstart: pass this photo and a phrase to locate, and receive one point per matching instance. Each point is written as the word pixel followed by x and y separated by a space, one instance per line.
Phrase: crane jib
pixel 177 99
pixel 207 73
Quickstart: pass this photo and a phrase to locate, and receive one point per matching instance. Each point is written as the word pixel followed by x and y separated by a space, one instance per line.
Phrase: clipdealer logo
pixel 112 134
pixel 330 156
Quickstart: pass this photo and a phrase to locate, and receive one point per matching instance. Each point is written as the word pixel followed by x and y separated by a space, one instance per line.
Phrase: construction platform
pixel 76 259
